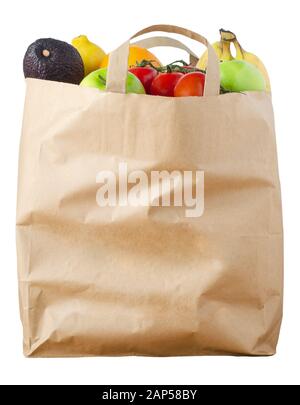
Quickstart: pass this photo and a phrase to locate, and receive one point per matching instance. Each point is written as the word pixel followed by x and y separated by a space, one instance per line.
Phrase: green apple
pixel 98 79
pixel 239 75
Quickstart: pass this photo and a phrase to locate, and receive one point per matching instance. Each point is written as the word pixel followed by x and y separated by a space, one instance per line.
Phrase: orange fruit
pixel 136 54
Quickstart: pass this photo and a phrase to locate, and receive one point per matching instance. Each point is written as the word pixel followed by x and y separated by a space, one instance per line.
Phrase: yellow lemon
pixel 91 54
pixel 136 54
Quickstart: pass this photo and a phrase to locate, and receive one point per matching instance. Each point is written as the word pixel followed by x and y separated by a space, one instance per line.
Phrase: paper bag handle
pixel 153 42
pixel 118 61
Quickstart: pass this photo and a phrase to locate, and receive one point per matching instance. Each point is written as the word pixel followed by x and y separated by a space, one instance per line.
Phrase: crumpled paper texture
pixel 147 280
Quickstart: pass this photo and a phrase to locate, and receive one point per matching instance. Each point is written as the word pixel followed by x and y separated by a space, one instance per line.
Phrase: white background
pixel 268 28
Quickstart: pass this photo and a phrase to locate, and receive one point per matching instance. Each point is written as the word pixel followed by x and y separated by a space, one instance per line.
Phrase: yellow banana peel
pixel 222 49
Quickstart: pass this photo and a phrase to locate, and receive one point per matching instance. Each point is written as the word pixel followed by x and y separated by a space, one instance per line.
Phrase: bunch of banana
pixel 222 49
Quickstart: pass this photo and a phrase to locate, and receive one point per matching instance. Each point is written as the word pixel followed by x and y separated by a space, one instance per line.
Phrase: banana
pixel 241 54
pixel 222 49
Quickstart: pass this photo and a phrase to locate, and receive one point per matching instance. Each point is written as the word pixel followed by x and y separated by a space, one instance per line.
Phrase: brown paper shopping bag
pixel 111 262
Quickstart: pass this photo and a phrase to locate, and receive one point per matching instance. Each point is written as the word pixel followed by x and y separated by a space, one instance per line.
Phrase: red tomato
pixel 164 84
pixel 191 84
pixel 146 75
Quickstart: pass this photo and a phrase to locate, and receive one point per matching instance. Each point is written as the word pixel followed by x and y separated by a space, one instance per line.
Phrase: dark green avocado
pixel 51 59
